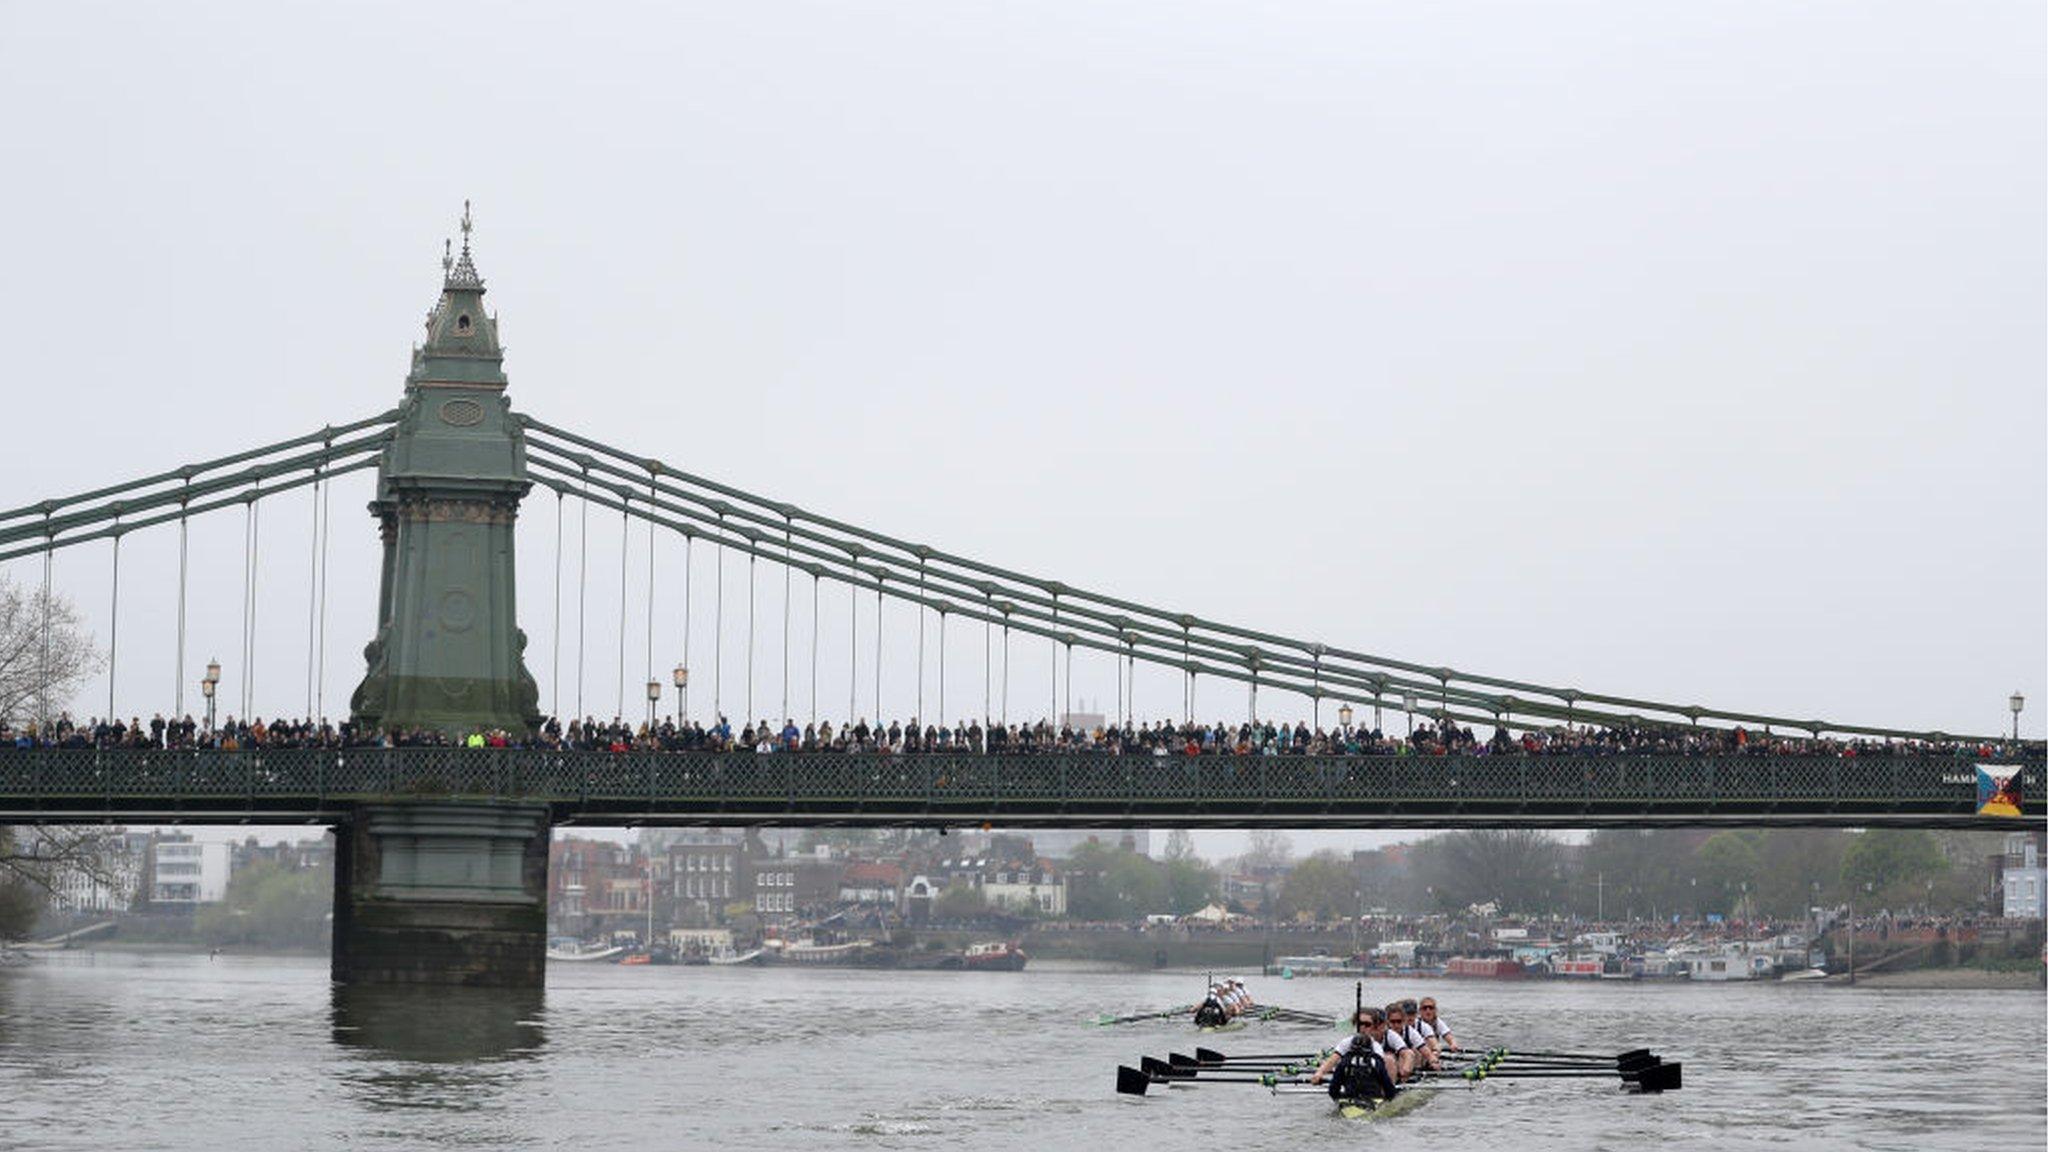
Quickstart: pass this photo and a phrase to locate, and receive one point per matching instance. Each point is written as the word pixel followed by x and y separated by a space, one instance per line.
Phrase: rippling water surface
pixel 176 1052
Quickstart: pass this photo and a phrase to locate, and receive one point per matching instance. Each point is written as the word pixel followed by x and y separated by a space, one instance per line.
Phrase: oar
pixel 1651 1078
pixel 1519 1054
pixel 1278 1010
pixel 1133 1082
pixel 1631 1061
pixel 1211 1056
pixel 1189 1066
pixel 1101 1020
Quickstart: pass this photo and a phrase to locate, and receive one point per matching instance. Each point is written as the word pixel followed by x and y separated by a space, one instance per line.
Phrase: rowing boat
pixel 1405 1100
pixel 1229 1026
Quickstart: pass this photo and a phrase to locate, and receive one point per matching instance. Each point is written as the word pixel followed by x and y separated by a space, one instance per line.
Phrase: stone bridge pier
pixel 442 894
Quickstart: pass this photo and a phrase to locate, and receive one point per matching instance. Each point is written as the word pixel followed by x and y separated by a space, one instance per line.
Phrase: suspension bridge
pixel 442 849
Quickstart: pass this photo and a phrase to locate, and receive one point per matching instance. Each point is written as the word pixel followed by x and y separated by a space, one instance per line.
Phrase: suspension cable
pixel 1222 643
pixel 313 588
pixel 920 640
pixel 555 677
pixel 178 672
pixel 1053 703
pixel 651 717
pixel 326 534
pixel 718 641
pixel 625 536
pixel 878 654
pixel 786 713
pixel 750 638
pixel 683 706
pixel 43 670
pixel 114 630
pixel 1006 669
pixel 814 648
pixel 582 589
pixel 255 593
pixel 242 655
pixel 942 666
pixel 852 650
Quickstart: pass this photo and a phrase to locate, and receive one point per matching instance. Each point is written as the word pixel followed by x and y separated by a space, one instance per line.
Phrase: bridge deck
pixel 323 785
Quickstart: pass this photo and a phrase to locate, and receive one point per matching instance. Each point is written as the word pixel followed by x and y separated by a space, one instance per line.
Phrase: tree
pixel 31 862
pixel 20 900
pixel 1269 849
pixel 960 902
pixel 1179 846
pixel 1190 886
pixel 1322 887
pixel 1519 869
pixel 1892 865
pixel 1728 866
pixel 35 676
pixel 1114 884
pixel 269 905
pixel 45 656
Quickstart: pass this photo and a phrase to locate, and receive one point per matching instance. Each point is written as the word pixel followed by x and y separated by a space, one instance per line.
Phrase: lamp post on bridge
pixel 210 683
pixel 2016 703
pixel 1408 706
pixel 653 698
pixel 682 679
pixel 1344 718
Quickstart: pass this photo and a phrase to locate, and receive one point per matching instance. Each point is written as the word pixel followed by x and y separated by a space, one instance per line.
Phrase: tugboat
pixel 994 957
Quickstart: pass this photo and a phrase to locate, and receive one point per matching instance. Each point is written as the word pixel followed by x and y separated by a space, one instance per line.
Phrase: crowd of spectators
pixel 1438 737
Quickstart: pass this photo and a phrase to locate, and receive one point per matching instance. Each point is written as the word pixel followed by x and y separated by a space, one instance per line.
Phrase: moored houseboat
pixel 996 956
pixel 1484 968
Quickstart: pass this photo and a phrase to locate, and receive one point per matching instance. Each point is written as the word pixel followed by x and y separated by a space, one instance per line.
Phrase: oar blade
pixel 1662 1078
pixel 1130 1081
pixel 1210 1056
pixel 1158 1069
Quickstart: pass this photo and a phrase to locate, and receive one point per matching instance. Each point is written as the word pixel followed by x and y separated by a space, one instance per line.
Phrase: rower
pixel 1244 995
pixel 1233 998
pixel 1441 1030
pixel 1357 1066
pixel 1418 1037
pixel 1212 1012
pixel 1400 1057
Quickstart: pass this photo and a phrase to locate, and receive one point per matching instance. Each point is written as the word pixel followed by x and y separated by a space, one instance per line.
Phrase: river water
pixel 181 1052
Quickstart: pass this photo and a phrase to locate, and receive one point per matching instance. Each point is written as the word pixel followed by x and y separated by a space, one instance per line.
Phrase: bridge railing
pixel 728 787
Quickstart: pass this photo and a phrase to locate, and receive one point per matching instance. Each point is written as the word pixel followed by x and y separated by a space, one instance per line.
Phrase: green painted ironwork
pixel 448 652
pixel 1053 789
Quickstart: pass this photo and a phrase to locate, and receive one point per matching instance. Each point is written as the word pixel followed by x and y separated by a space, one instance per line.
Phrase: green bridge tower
pixel 439 893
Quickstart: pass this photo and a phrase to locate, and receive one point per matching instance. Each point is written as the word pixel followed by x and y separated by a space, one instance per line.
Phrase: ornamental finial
pixel 461 273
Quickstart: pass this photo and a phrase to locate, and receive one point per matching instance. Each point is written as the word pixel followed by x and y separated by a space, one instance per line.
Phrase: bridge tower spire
pixel 448 653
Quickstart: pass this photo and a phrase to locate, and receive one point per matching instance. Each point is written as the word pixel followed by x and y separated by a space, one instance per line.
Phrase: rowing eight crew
pixel 1388 1048
pixel 1227 1000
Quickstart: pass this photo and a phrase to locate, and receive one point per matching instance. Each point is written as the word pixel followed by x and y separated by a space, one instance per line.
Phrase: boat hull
pixel 1404 1102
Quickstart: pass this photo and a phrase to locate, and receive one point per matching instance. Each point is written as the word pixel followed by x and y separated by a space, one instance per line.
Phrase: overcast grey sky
pixel 1693 352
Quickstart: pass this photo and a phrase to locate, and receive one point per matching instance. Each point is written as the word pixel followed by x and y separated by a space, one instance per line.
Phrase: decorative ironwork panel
pixel 322 783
